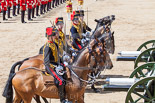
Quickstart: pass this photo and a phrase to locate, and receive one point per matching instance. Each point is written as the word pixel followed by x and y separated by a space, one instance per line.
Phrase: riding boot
pixel 61 91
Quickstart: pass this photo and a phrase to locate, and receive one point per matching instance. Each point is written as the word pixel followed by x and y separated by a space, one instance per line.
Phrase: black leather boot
pixel 61 91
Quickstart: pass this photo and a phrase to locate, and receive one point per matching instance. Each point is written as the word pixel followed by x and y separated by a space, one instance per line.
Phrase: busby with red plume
pixel 74 17
pixel 58 20
pixel 51 31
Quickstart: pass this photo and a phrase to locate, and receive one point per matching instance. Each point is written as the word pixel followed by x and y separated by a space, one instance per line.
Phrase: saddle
pixel 49 80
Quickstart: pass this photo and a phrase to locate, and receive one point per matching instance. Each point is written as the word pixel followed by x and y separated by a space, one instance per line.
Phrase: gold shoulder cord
pixel 78 30
pixel 60 46
pixel 62 35
pixel 82 24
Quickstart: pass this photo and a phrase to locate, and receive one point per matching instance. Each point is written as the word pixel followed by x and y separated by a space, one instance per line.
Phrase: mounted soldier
pixel 63 50
pixel 61 37
pixel 76 33
pixel 52 62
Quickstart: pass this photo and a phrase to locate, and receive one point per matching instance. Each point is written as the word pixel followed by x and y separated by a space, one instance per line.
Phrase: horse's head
pixel 99 58
pixel 103 30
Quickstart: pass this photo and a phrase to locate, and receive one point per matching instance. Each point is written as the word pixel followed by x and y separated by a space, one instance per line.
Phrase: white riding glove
pixel 59 70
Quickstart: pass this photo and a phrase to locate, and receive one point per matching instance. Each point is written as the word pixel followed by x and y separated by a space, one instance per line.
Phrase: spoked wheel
pixel 147 45
pixel 143 71
pixel 146 56
pixel 142 91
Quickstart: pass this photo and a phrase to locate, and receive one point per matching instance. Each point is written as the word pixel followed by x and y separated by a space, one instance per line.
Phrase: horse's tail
pixel 8 90
pixel 20 63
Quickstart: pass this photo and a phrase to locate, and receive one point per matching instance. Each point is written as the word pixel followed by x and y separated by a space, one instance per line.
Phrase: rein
pixel 87 81
pixel 86 68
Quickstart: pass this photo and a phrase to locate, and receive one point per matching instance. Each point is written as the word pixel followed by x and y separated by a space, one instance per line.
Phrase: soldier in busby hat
pixel 59 23
pixel 76 32
pixel 51 61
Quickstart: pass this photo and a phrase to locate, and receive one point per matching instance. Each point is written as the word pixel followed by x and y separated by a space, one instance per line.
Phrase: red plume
pixel 72 16
pixel 49 31
pixel 74 12
pixel 56 20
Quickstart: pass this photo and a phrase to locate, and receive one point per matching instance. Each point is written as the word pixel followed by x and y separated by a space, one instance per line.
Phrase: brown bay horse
pixel 28 82
pixel 103 27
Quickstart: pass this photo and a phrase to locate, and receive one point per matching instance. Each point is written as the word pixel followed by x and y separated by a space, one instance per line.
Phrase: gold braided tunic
pixel 51 48
pixel 60 44
pixel 78 28
pixel 82 24
pixel 62 36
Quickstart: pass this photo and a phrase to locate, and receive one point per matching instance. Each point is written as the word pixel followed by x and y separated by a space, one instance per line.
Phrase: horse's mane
pixel 80 52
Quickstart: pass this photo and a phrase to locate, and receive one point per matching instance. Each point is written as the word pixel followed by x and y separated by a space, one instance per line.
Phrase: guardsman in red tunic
pixel 23 9
pixel 18 4
pixel 42 7
pixel 29 6
pixel 38 2
pixel 33 7
pixel 9 4
pixel 14 7
pixel 4 8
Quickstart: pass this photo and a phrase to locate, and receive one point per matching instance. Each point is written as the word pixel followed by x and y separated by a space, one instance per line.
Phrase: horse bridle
pixel 93 52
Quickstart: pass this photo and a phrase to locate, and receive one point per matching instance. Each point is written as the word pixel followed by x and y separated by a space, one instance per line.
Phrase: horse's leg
pixel 26 97
pixel 17 98
pixel 80 100
pixel 37 98
pixel 45 100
